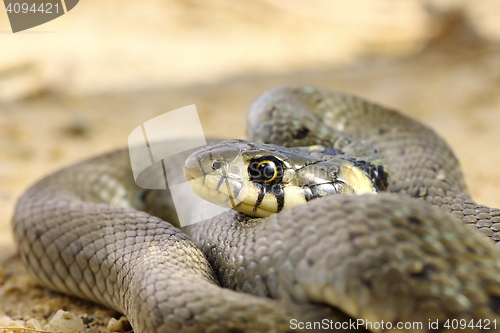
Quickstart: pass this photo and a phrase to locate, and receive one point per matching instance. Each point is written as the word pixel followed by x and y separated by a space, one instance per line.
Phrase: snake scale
pixel 89 231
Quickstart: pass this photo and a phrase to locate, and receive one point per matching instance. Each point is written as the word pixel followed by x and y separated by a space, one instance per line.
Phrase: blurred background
pixel 78 85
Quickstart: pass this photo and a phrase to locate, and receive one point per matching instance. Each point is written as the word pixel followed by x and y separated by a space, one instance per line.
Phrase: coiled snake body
pixel 389 257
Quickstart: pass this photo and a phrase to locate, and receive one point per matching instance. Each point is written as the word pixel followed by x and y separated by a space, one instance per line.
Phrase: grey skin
pixel 389 257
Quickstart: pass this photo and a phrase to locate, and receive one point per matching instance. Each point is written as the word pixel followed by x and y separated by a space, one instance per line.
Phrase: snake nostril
pixel 216 165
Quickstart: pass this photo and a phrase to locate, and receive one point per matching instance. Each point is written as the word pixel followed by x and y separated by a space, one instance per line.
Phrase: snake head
pixel 261 179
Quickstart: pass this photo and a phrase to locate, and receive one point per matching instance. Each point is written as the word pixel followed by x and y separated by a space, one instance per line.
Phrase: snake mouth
pixel 224 192
pixel 235 194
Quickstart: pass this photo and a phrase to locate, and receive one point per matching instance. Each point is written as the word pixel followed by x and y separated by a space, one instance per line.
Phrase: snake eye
pixel 216 165
pixel 265 169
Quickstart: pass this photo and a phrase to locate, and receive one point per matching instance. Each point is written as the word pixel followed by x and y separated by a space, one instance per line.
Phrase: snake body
pixel 388 257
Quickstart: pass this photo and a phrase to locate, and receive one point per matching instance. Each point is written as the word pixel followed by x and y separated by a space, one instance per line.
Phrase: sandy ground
pixel 452 84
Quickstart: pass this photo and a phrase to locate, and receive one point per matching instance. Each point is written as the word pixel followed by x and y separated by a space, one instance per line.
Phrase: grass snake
pixel 89 231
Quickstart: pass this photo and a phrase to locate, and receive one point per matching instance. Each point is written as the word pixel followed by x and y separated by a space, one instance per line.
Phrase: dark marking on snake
pixel 260 196
pixel 376 173
pixel 77 246
pixel 144 194
pixel 308 195
pixel 414 220
pixel 236 189
pixel 272 110
pixel 221 181
pixel 198 158
pixel 279 195
pixel 38 234
pixel 366 282
pixel 190 320
pixel 425 273
pixel 495 303
pixel 301 133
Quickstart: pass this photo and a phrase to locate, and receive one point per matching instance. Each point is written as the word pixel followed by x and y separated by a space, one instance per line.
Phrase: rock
pixel 35 324
pixel 119 325
pixel 65 322
pixel 6 321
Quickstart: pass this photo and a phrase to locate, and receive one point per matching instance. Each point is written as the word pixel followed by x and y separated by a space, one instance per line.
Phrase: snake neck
pixel 419 162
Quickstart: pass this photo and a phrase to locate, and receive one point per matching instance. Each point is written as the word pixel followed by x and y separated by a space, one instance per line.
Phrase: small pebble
pixel 35 324
pixel 65 322
pixel 118 325
pixel 6 321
